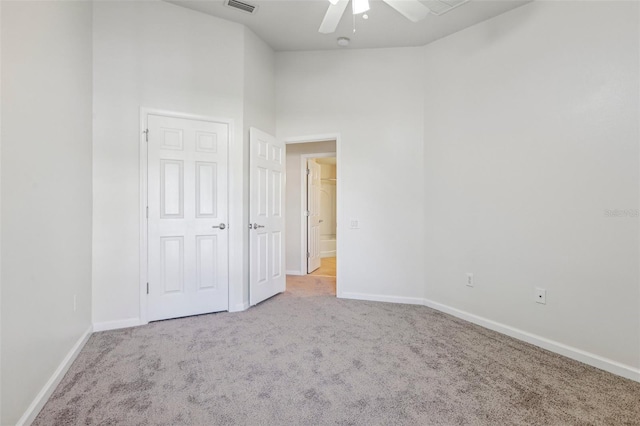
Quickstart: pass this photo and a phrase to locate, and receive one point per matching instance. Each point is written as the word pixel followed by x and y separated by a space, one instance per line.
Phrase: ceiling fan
pixel 413 10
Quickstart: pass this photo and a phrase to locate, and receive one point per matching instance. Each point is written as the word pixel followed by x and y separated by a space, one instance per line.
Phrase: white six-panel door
pixel 267 273
pixel 187 217
pixel 314 186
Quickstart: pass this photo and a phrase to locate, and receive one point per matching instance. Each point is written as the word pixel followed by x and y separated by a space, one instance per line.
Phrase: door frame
pixel 144 261
pixel 335 136
pixel 304 196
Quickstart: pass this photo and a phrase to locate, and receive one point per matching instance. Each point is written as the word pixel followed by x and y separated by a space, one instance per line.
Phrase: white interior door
pixel 187 217
pixel 266 274
pixel 314 187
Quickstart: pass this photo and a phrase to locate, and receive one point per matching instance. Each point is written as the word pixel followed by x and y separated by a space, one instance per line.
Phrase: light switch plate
pixel 469 281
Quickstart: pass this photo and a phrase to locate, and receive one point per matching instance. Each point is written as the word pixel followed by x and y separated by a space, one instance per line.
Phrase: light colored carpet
pixel 307 358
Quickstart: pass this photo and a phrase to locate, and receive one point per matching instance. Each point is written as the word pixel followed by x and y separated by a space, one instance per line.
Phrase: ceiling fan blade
pixel 413 10
pixel 333 16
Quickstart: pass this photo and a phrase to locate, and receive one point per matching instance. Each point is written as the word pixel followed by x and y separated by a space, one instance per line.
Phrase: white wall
pixel 373 99
pixel 531 133
pixel 259 112
pixel 293 201
pixel 259 85
pixel 509 140
pixel 156 55
pixel 46 192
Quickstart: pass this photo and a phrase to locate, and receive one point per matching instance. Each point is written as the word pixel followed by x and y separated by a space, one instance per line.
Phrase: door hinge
pixel 147 288
pixel 147 212
pixel 146 135
pixel 308 255
pixel 307 213
pixel 308 172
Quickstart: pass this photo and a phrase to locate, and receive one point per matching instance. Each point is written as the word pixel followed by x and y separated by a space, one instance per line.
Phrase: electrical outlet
pixel 353 224
pixel 75 302
pixel 469 282
pixel 541 295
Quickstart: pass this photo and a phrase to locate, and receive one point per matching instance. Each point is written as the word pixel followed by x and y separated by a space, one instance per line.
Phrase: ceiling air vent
pixel 240 5
pixel 440 7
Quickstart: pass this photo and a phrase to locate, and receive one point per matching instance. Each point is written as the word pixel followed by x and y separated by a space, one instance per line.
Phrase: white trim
pixel 117 324
pixel 382 298
pixel 339 204
pixel 47 390
pixel 291 272
pixel 574 353
pixel 339 208
pixel 323 137
pixel 327 137
pixel 143 216
pixel 239 307
pixel 144 113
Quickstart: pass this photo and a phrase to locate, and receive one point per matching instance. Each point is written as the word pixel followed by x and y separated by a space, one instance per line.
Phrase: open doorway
pixel 311 215
pixel 321 216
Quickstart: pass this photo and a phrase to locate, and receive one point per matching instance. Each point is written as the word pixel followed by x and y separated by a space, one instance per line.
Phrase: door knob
pixel 256 226
pixel 221 226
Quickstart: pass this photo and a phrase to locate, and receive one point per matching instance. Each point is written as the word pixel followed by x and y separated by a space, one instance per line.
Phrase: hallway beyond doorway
pixel 311 285
pixel 327 268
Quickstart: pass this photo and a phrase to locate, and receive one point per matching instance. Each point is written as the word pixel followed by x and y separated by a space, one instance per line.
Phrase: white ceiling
pixel 293 24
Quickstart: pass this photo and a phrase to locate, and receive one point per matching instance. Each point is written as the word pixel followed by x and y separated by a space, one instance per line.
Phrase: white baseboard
pixel 114 325
pixel 328 253
pixel 560 348
pixel 295 273
pixel 43 396
pixel 382 298
pixel 239 307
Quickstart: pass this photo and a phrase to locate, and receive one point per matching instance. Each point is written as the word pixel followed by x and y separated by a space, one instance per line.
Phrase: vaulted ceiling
pixel 293 24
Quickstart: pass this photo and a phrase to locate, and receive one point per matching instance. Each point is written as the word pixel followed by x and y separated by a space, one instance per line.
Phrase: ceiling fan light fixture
pixel 413 10
pixel 359 6
pixel 343 41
